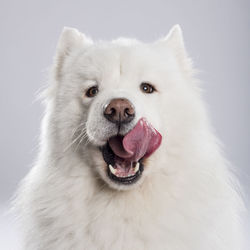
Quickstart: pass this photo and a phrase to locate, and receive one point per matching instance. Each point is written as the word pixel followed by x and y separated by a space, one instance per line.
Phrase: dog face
pixel 105 90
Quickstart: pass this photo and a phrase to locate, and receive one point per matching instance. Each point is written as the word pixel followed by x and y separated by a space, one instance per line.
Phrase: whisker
pixel 83 136
pixel 67 148
pixel 75 131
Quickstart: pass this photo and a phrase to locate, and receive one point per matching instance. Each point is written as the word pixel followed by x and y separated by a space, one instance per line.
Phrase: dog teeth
pixel 123 175
pixel 113 171
pixel 137 167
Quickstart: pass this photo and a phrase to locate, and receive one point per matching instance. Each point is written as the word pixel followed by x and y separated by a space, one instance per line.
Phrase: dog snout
pixel 119 110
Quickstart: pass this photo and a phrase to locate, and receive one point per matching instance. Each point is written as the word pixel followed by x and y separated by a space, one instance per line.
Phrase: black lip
pixel 109 158
pixel 108 154
pixel 127 180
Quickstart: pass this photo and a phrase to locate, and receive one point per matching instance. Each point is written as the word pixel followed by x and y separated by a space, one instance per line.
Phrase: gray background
pixel 217 35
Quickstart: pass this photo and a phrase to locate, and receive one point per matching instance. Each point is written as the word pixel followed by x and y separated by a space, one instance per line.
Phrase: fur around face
pixel 186 198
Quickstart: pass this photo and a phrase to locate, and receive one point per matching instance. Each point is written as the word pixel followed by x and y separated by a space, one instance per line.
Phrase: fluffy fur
pixel 186 199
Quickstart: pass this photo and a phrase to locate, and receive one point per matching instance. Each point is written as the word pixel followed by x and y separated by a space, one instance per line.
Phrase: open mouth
pixel 124 155
pixel 121 170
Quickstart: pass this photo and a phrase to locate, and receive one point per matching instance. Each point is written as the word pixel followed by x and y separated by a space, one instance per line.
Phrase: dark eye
pixel 91 92
pixel 147 88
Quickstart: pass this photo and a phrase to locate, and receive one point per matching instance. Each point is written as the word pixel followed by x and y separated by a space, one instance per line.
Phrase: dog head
pixel 116 102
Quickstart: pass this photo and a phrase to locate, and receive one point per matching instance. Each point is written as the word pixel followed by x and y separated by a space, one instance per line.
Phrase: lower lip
pixel 126 180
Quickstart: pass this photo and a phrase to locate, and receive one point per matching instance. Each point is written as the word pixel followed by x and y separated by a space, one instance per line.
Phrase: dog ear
pixel 69 41
pixel 174 40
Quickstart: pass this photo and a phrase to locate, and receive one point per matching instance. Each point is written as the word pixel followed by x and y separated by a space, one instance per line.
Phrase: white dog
pixel 128 158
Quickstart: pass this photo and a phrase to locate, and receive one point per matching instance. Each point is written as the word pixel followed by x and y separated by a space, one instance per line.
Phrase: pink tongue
pixel 140 142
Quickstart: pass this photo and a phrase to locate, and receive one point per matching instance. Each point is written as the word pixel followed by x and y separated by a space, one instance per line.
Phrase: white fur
pixel 187 197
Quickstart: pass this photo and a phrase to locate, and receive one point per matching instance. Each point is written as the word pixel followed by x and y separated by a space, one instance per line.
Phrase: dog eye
pixel 147 88
pixel 93 91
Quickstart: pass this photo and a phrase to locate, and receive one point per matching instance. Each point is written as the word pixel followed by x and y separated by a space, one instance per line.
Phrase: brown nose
pixel 119 110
